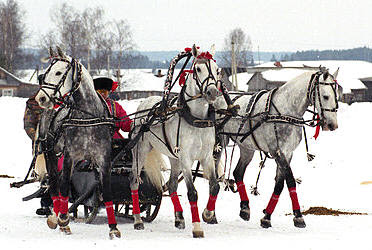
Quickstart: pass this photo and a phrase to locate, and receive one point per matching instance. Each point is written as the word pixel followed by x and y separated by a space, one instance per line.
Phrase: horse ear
pixel 195 51
pixel 212 50
pixel 336 73
pixel 60 53
pixel 51 52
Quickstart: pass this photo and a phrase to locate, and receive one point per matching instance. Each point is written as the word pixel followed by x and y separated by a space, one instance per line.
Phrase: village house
pixel 10 85
pixel 354 77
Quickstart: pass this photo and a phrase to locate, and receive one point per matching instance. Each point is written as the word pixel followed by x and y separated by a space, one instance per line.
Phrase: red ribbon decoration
pixel 115 85
pixel 317 129
pixel 182 80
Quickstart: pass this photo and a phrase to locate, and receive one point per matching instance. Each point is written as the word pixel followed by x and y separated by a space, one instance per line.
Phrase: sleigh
pixel 86 191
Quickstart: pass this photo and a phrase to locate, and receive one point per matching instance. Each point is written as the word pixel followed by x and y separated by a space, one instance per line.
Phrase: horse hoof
pixel 265 223
pixel 114 233
pixel 52 221
pixel 209 216
pixel 138 223
pixel 197 232
pixel 179 221
pixel 65 230
pixel 63 220
pixel 245 214
pixel 299 222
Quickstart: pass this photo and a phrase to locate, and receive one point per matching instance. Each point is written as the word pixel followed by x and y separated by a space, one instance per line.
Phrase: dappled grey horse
pixel 84 125
pixel 271 121
pixel 186 136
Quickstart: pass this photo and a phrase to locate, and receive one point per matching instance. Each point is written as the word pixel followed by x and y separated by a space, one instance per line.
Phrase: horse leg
pixel 63 217
pixel 209 214
pixel 192 195
pixel 139 153
pixel 298 219
pixel 105 176
pixel 179 221
pixel 51 166
pixel 279 185
pixel 245 158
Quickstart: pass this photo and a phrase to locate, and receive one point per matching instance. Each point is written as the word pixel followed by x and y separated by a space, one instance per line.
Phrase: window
pixel 7 92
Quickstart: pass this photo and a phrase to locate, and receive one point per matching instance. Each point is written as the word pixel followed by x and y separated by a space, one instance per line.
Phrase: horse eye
pixel 198 69
pixel 58 73
pixel 326 97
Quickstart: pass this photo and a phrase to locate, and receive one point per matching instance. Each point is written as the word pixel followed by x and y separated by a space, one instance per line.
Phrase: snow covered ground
pixel 332 180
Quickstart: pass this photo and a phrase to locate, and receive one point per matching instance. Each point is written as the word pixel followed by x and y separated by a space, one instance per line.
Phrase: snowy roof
pixel 348 76
pixel 144 79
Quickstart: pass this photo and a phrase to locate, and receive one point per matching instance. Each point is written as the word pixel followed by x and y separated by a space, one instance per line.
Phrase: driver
pixel 103 86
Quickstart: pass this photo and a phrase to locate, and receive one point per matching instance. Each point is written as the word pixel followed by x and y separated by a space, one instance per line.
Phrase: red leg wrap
pixel 272 203
pixel 56 204
pixel 211 203
pixel 135 199
pixel 63 205
pixel 242 191
pixel 110 213
pixel 176 202
pixel 194 211
pixel 293 195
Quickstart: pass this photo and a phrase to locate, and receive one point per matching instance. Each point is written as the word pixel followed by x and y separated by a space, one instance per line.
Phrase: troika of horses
pixel 194 126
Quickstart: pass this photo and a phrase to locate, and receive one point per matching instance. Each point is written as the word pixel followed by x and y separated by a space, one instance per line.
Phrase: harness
pixel 266 117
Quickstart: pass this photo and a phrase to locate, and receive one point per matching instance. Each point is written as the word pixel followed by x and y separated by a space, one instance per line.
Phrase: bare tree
pixel 69 25
pixel 123 41
pixel 93 26
pixel 12 34
pixel 242 48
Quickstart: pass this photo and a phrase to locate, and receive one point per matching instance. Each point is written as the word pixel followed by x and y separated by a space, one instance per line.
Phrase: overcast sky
pixel 273 25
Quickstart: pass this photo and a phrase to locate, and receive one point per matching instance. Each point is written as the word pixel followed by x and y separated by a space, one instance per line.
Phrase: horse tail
pixel 154 164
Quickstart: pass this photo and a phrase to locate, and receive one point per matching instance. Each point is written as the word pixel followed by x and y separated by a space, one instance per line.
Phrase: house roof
pixel 15 78
pixel 349 77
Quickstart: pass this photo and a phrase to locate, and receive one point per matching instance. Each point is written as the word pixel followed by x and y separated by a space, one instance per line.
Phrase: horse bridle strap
pixel 71 65
pixel 185 113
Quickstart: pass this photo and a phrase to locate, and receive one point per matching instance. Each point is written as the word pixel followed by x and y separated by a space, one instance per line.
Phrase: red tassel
pixel 194 211
pixel 176 202
pixel 188 49
pixel 182 80
pixel 242 191
pixel 317 129
pixel 135 199
pixel 110 213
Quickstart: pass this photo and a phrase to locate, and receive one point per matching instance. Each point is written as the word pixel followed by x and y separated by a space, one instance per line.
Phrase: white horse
pixel 86 133
pixel 187 136
pixel 272 122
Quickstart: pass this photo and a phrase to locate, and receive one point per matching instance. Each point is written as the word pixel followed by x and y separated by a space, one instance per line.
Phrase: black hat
pixel 103 83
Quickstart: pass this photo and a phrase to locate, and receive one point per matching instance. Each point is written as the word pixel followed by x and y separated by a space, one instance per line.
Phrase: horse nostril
pixel 42 99
pixel 209 93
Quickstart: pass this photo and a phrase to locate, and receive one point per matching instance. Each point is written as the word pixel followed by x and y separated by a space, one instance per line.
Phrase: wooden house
pixel 11 85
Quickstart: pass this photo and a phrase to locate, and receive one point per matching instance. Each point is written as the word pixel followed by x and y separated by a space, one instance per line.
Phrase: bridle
pixel 57 97
pixel 208 81
pixel 313 91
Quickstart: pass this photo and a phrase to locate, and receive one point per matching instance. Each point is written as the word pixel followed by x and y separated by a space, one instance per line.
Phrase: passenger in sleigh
pixel 31 120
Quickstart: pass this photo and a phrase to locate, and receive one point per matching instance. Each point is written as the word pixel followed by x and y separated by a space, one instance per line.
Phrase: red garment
pixel 120 113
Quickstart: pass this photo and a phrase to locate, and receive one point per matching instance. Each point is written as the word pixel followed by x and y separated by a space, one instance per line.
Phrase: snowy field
pixel 332 180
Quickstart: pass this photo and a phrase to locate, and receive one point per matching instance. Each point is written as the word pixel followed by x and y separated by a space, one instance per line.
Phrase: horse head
pixel 323 96
pixel 61 78
pixel 205 73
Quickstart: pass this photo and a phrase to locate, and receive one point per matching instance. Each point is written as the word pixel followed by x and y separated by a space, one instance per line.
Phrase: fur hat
pixel 103 83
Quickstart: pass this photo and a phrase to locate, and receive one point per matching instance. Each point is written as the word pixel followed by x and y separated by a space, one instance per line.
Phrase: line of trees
pixel 362 53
